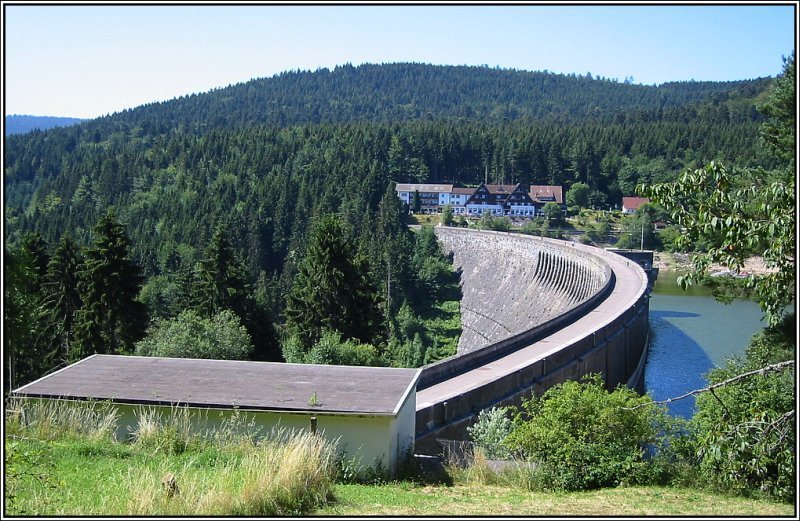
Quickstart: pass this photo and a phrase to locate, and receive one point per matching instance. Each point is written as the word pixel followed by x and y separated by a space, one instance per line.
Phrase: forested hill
pixel 401 92
pixel 327 137
pixel 220 195
pixel 20 124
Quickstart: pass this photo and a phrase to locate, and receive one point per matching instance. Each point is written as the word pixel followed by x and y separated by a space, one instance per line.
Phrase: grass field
pixel 403 499
pixel 63 461
pixel 68 465
pixel 69 477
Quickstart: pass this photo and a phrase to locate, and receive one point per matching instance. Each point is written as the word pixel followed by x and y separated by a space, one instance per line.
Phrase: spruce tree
pixel 331 290
pixel 221 284
pixel 61 299
pixel 111 318
pixel 36 248
pixel 220 278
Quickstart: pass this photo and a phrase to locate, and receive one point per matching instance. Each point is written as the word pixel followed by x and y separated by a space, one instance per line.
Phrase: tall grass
pixel 236 469
pixel 169 434
pixel 286 477
pixel 53 419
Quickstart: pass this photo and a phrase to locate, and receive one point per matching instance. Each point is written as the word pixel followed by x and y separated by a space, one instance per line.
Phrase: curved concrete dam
pixel 535 312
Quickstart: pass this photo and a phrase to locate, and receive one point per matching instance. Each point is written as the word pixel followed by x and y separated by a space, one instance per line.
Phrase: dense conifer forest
pixel 227 200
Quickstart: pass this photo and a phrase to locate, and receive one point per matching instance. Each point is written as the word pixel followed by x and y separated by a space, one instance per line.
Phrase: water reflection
pixel 676 363
pixel 690 334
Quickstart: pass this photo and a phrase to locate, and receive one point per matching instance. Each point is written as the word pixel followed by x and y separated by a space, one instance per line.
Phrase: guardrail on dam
pixel 535 312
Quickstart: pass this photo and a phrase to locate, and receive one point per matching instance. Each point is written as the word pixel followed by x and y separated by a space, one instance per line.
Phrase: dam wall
pixel 516 289
pixel 511 283
pixel 535 312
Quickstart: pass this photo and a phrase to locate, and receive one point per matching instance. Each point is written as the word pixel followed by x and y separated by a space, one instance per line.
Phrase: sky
pixel 92 60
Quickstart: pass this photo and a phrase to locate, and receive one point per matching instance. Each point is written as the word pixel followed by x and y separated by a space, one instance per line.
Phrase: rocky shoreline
pixel 682 262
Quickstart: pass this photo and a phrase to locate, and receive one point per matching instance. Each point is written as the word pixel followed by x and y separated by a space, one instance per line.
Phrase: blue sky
pixel 88 61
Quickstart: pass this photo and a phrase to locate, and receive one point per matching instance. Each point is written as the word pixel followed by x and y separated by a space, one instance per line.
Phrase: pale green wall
pixel 364 439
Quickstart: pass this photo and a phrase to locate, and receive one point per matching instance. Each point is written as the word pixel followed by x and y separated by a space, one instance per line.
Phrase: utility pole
pixel 641 244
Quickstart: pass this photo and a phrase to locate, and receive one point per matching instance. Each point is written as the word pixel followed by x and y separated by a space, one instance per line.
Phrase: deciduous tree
pixel 744 212
pixel 220 337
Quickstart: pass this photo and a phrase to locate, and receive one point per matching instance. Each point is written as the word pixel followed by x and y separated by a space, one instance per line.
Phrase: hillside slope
pixel 21 124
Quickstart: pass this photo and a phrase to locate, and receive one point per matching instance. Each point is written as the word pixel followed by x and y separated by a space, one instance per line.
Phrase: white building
pixel 514 200
pixel 368 411
pixel 631 204
pixel 432 196
pixel 459 198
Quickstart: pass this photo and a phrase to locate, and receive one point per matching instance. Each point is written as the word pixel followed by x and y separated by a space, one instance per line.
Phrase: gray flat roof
pixel 422 187
pixel 229 383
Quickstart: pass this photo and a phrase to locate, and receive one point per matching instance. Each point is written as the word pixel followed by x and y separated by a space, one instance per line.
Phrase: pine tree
pixel 221 284
pixel 61 299
pixel 111 318
pixel 331 291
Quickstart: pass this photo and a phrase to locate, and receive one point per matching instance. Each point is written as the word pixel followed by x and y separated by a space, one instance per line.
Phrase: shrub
pixel 490 432
pixel 669 237
pixel 745 431
pixel 447 215
pixel 580 436
pixel 189 335
pixel 330 349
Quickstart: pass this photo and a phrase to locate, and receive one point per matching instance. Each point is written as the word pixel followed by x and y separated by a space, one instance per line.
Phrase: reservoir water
pixel 691 333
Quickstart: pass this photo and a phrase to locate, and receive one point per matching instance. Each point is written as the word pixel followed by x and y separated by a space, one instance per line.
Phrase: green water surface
pixel 690 333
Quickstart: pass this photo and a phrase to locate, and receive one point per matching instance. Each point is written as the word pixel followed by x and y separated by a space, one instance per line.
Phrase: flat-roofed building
pixel 432 196
pixel 369 411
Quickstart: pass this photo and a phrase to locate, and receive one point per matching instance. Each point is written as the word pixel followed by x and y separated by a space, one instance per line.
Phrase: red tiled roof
pixel 633 203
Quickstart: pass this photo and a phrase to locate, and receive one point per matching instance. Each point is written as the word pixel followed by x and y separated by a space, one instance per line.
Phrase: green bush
pixel 669 238
pixel 580 436
pixel 552 211
pixel 490 431
pixel 447 215
pixel 221 337
pixel 330 349
pixel 744 431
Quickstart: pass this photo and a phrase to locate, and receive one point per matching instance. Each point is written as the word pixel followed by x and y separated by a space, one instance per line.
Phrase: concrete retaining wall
pixel 580 319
